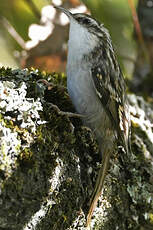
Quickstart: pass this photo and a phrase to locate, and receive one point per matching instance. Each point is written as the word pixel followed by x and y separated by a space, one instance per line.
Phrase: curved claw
pixel 45 82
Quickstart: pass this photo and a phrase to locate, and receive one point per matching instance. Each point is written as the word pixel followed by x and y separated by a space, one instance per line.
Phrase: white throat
pixel 80 40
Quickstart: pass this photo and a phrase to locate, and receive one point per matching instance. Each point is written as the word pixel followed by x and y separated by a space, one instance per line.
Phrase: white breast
pixel 79 80
pixel 81 41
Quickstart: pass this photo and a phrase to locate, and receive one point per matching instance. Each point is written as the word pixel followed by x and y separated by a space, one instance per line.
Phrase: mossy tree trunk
pixel 49 162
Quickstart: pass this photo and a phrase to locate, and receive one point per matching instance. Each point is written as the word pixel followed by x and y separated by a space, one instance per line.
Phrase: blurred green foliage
pixel 19 14
pixel 116 15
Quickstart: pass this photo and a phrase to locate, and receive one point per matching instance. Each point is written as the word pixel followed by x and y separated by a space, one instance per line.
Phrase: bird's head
pixel 84 21
pixel 85 31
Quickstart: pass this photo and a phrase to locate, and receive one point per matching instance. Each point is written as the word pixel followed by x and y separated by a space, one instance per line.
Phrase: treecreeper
pixel 97 89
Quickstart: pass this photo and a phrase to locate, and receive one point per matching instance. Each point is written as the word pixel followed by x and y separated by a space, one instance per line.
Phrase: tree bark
pixel 49 161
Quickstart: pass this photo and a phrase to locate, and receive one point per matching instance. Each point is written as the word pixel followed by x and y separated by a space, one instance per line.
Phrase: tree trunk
pixel 49 161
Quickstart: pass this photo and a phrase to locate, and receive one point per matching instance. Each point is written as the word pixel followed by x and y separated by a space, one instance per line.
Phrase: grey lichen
pixel 15 107
pixel 49 162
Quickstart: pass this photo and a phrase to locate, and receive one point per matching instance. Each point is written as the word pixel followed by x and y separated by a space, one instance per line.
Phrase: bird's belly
pixel 81 90
pixel 83 95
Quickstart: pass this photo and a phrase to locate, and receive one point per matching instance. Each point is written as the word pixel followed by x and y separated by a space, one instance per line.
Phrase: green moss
pixel 151 218
pixel 51 168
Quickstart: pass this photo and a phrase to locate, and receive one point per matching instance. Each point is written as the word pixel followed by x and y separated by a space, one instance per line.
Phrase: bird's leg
pixel 46 83
pixel 68 114
pixel 50 85
pixel 98 186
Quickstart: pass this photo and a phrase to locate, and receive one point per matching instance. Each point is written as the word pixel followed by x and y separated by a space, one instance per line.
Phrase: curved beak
pixel 65 11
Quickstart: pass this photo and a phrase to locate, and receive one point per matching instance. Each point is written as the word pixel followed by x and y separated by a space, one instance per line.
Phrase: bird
pixel 97 89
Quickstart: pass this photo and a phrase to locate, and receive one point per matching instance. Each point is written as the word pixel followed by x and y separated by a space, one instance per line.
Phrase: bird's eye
pixel 86 21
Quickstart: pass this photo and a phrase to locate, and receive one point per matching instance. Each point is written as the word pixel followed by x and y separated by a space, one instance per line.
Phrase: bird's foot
pixel 46 83
pixel 68 114
pixel 50 85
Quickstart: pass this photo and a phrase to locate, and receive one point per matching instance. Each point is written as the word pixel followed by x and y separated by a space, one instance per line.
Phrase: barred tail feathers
pixel 98 186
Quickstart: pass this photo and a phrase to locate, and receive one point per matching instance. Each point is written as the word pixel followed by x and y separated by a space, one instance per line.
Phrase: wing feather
pixel 110 88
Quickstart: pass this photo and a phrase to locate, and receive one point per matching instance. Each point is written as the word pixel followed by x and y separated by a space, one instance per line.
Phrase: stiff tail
pixel 98 186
